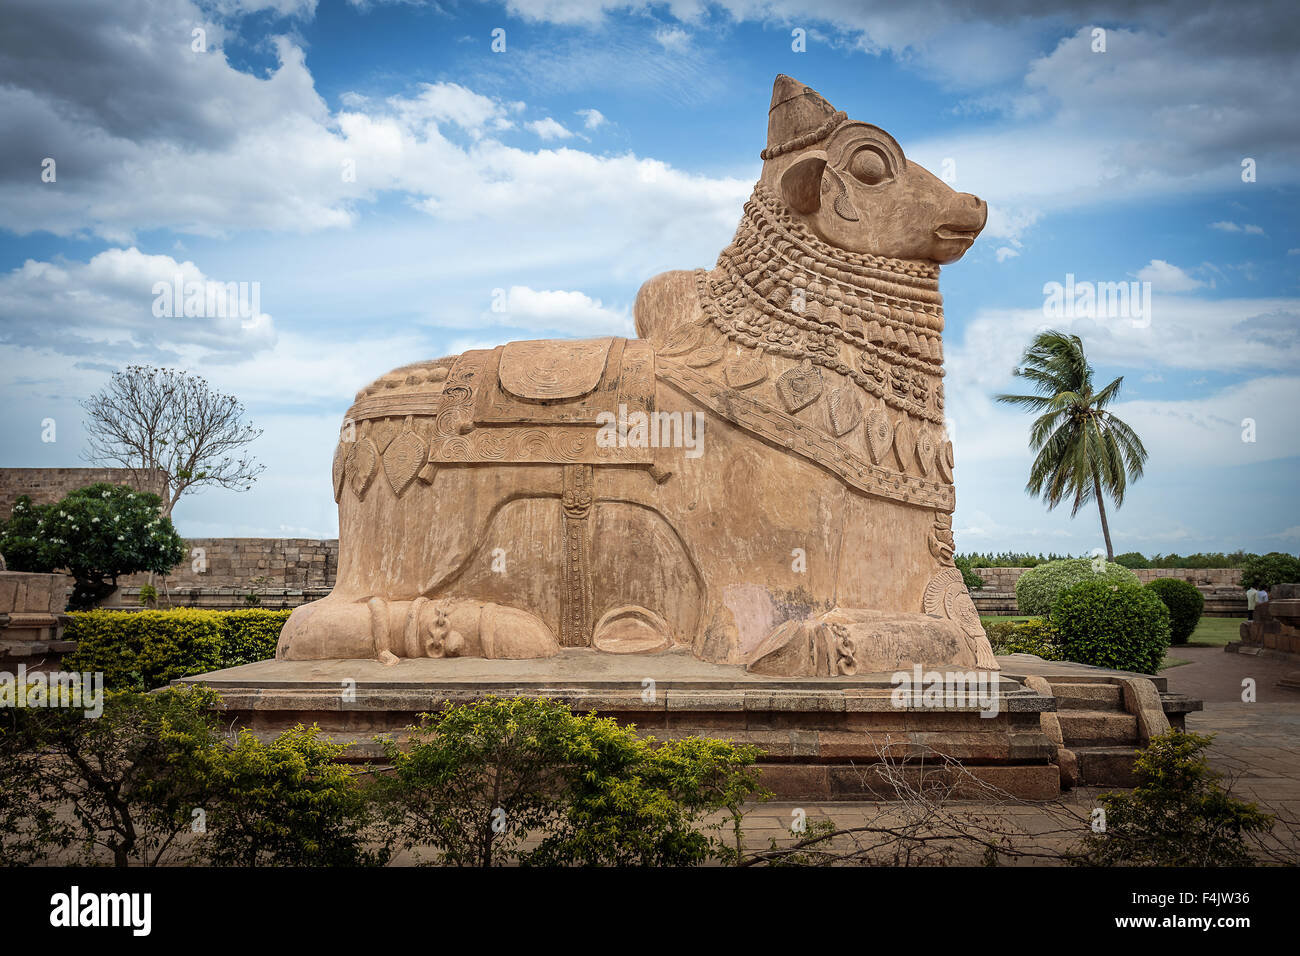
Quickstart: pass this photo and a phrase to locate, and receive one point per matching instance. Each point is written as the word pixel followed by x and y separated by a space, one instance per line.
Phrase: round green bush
pixel 1037 589
pixel 1185 604
pixel 1123 626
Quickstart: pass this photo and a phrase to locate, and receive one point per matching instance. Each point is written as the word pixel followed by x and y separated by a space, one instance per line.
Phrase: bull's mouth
pixel 951 232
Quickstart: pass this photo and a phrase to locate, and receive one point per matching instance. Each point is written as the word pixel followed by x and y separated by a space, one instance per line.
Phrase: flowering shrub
pixel 96 534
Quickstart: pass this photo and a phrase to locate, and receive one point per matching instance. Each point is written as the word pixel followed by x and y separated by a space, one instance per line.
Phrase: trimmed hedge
pixel 1124 626
pixel 1185 604
pixel 1038 588
pixel 142 650
pixel 1038 637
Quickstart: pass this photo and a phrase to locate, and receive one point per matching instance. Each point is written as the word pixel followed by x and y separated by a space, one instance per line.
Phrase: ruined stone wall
pixel 47 485
pixel 253 563
pixel 1004 579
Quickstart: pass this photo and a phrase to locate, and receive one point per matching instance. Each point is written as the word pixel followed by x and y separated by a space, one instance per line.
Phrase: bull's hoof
pixel 507 633
pixel 847 641
pixel 329 628
pixel 631 630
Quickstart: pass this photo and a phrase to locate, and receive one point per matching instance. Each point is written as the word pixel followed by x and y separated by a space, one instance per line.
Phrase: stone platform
pixel 822 739
pixel 31 619
pixel 1274 631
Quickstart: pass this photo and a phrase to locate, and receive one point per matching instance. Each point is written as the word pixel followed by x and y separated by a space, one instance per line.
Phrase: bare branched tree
pixel 169 424
pixel 933 811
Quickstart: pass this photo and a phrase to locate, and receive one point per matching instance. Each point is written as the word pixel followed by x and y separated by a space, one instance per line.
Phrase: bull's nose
pixel 977 208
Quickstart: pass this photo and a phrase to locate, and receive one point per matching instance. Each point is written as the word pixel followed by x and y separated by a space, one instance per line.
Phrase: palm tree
pixel 1083 449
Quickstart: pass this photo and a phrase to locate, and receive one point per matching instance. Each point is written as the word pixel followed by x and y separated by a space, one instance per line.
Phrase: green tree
pixel 289 802
pixel 1179 814
pixel 30 827
pixel 476 779
pixel 132 777
pixel 1084 450
pixel 96 534
pixel 1268 570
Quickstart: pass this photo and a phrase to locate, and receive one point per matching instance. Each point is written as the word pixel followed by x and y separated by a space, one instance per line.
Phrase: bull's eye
pixel 869 166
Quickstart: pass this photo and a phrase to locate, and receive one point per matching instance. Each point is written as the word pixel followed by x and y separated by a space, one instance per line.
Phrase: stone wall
pixel 1004 579
pixel 253 563
pixel 47 485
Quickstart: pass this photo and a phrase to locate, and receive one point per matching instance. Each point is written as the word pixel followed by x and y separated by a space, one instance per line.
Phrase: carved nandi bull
pixel 510 502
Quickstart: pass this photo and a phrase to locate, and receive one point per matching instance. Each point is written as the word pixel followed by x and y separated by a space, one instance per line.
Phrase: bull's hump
pixel 664 303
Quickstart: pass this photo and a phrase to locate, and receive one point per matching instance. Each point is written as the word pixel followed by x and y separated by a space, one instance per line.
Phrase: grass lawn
pixel 1215 631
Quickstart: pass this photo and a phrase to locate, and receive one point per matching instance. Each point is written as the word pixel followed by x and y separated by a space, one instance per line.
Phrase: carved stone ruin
pixel 761 477
pixel 31 614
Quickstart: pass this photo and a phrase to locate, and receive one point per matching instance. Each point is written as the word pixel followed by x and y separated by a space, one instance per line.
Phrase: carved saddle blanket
pixel 543 401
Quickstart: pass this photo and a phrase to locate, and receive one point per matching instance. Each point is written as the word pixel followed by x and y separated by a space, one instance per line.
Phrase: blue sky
pixel 611 141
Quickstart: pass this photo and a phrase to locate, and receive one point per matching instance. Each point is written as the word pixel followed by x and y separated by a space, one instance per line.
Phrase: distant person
pixel 1263 597
pixel 1252 596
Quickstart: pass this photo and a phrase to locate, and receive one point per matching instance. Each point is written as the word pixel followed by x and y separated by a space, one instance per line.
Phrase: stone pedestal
pixel 823 739
pixel 31 615
pixel 1275 629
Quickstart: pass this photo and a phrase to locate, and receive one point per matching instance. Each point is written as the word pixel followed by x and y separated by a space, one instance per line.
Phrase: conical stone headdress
pixel 798 117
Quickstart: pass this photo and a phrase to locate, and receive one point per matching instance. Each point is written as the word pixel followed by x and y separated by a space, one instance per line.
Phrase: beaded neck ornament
pixel 780 289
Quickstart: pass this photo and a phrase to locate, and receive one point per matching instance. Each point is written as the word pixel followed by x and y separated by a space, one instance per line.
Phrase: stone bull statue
pixel 761 476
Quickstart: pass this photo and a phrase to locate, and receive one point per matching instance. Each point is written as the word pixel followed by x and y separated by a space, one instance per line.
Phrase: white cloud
pixel 108 306
pixel 446 102
pixel 305 9
pixel 272 156
pixel 1166 277
pixel 1006 252
pixel 592 118
pixel 572 312
pixel 1226 226
pixel 548 129
pixel 1238 336
pixel 673 38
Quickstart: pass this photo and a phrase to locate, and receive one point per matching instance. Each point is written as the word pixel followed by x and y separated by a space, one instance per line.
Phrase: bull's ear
pixel 801 184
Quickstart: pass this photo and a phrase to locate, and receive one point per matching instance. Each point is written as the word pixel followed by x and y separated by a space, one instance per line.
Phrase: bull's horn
pixel 799 116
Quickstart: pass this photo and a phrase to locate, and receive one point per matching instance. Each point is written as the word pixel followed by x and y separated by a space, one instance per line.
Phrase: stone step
pixel 1097 728
pixel 1106 766
pixel 1088 696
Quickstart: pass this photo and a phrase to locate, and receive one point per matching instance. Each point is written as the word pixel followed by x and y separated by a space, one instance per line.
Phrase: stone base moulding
pixel 822 739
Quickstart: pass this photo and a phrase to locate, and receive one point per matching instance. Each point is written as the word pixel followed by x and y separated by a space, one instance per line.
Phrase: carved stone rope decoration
pixel 779 289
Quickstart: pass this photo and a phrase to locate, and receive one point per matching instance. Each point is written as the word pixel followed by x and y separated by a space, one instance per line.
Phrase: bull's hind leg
pixel 646 592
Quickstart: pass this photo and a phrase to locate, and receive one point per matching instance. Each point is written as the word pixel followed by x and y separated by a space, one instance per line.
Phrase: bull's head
pixel 852 186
